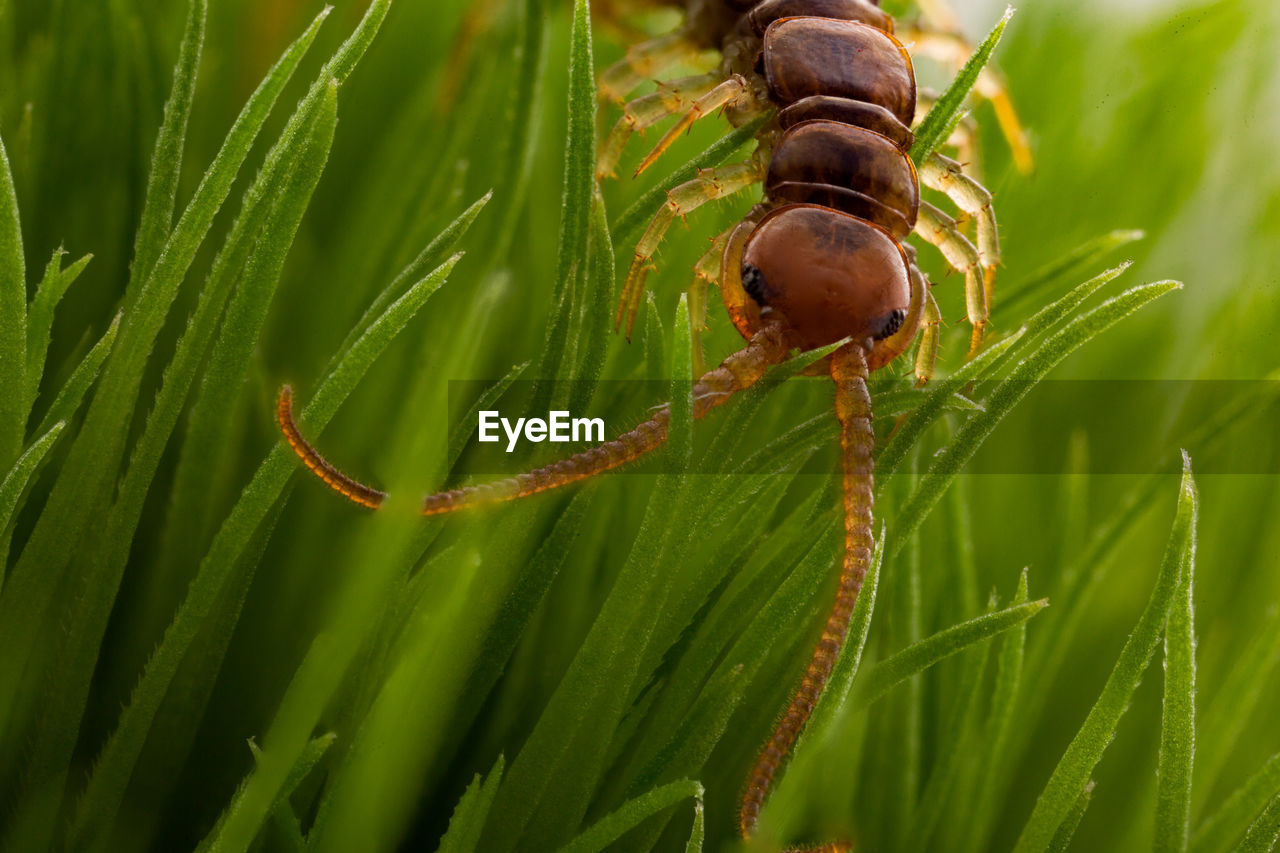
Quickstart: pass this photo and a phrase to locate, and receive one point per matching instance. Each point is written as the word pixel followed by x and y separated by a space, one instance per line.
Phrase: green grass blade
pixel 1062 838
pixel 472 810
pixel 579 189
pixel 40 316
pixel 936 401
pixel 1232 819
pixel 1082 755
pixel 206 446
pixel 680 431
pixel 71 394
pixel 88 476
pixel 933 131
pixel 1178 725
pixel 1084 257
pixel 699 830
pixel 632 813
pixel 86 620
pixel 166 159
pixel 13 320
pixel 440 247
pixel 918 657
pixel 1001 722
pixel 1009 392
pixel 15 483
pixel 1264 833
pixel 115 764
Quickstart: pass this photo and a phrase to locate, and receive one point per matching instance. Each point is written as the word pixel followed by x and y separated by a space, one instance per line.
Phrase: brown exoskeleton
pixel 822 260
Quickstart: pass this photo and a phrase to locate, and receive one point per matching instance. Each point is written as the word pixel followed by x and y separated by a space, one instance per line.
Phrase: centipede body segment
pixel 824 258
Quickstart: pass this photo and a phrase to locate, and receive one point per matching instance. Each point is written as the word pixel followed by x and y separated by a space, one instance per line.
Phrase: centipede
pixel 823 260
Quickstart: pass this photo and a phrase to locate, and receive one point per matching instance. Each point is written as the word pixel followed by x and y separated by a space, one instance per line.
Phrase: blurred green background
pixel 459 640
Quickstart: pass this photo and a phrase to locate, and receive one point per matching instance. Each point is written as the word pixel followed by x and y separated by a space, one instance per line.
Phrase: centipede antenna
pixel 350 488
pixel 849 371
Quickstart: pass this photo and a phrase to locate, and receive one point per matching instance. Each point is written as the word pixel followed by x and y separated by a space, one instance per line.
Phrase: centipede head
pixel 832 276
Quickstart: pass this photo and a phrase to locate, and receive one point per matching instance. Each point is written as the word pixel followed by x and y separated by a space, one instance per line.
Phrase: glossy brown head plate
pixel 831 275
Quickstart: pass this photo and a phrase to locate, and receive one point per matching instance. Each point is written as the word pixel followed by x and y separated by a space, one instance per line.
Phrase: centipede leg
pixel 705 272
pixel 857 441
pixel 733 91
pixel 709 185
pixel 648 60
pixel 736 373
pixel 941 42
pixel 947 176
pixel 671 98
pixel 943 232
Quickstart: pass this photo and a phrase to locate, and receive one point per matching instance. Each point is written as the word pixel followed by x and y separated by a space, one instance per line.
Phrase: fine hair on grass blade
pixel 632 813
pixel 1178 724
pixel 1077 764
pixel 1263 833
pixel 88 475
pixel 15 483
pixel 1009 392
pixel 86 621
pixel 469 815
pixel 1231 820
pixel 166 158
pixel 572 265
pixel 13 324
pixel 937 125
pixel 49 293
pixel 115 764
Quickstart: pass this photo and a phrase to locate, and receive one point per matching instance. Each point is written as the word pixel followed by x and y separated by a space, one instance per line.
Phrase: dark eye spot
pixel 753 283
pixel 890 323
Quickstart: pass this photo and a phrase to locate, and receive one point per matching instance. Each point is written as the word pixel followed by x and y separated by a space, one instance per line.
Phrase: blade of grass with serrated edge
pixel 283 819
pixel 15 483
pixel 596 309
pixel 84 623
pixel 933 130
pixel 1077 764
pixel 1264 832
pixel 1232 818
pixel 1178 722
pixel 88 475
pixel 115 763
pixel 430 257
pixel 627 226
pixel 72 392
pixel 680 427
pixel 40 317
pixel 13 322
pixel 166 159
pixel 936 401
pixel 632 813
pixel 999 727
pixel 1234 704
pixel 1081 258
pixel 579 190
pixel 918 657
pixel 210 421
pixel 1062 838
pixel 471 812
pixel 1009 392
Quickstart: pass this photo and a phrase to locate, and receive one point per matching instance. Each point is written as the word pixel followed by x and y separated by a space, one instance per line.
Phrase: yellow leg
pixel 944 45
pixel 671 98
pixel 709 185
pixel 648 60
pixel 943 232
pixel 732 92
pixel 947 176
pixel 930 320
